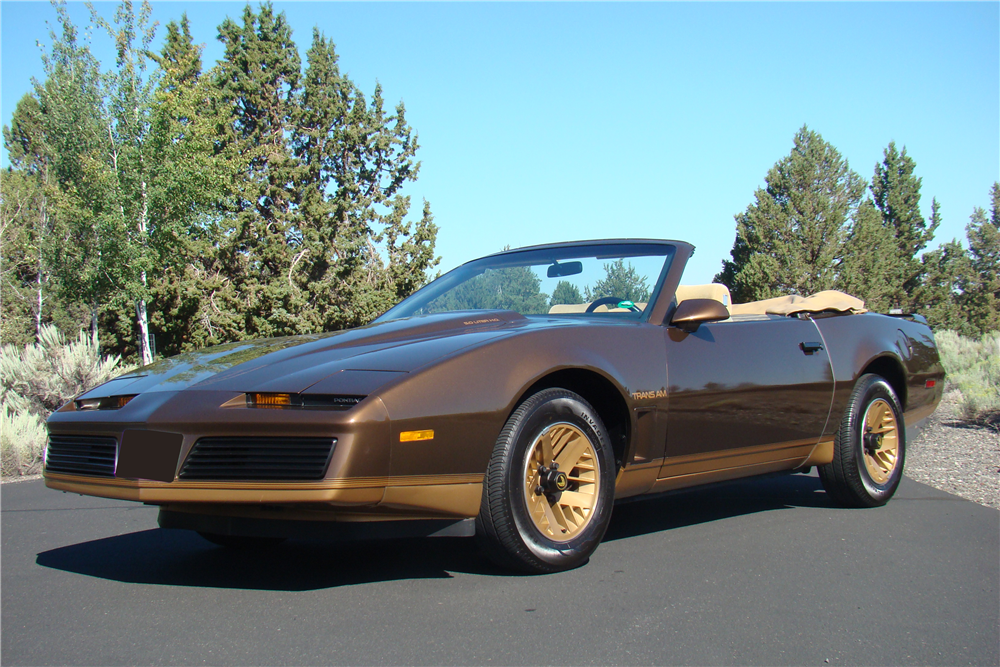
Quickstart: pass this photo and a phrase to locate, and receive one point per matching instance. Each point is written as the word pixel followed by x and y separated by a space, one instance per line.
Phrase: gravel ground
pixel 949 454
pixel 957 456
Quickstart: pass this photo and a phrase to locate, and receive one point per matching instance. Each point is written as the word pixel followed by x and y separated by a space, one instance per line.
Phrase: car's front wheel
pixel 870 447
pixel 549 486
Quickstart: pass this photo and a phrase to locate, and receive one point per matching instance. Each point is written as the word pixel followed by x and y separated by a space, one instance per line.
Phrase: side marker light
pixel 413 436
pixel 929 384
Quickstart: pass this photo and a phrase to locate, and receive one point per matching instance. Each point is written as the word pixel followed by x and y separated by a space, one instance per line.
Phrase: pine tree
pixel 982 297
pixel 621 281
pixel 359 254
pixel 258 83
pixel 868 271
pixel 196 176
pixel 896 191
pixel 565 292
pixel 790 240
pixel 516 288
pixel 945 270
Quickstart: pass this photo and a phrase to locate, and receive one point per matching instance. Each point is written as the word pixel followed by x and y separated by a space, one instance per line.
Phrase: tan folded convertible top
pixel 789 305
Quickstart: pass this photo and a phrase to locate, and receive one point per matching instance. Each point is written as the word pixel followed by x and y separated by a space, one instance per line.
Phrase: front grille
pixel 267 459
pixel 81 455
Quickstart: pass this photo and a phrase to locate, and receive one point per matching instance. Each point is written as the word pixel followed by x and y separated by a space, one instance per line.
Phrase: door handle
pixel 809 348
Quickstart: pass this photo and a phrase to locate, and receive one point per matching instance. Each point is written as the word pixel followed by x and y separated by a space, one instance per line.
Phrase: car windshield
pixel 616 278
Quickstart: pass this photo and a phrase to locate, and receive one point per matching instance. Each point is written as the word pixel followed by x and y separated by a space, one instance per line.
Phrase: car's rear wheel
pixel 242 542
pixel 549 486
pixel 870 447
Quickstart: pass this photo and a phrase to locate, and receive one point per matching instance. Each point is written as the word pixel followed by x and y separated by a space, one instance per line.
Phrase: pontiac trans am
pixel 515 398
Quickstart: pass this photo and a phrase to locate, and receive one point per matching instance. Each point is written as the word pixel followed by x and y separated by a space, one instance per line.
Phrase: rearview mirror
pixel 558 270
pixel 691 313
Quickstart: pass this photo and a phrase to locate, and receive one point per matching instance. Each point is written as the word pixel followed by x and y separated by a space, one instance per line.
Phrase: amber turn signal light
pixel 413 436
pixel 106 403
pixel 269 400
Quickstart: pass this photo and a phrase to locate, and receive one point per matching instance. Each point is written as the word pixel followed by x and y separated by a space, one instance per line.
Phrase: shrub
pixel 34 382
pixel 22 442
pixel 973 367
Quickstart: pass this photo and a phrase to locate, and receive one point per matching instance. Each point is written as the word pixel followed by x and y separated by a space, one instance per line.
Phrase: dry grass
pixel 973 367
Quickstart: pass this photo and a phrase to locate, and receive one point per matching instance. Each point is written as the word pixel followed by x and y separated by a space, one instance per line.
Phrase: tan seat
pixel 561 308
pixel 714 291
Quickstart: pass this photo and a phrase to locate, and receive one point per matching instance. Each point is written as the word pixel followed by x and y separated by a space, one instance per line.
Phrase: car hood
pixel 383 350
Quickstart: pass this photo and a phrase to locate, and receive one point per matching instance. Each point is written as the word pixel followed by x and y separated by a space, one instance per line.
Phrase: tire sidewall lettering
pixel 541 416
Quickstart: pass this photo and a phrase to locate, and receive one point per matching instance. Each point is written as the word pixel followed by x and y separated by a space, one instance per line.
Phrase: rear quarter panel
pixel 859 343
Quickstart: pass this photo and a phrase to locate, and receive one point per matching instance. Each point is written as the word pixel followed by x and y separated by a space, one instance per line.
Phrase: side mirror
pixel 691 313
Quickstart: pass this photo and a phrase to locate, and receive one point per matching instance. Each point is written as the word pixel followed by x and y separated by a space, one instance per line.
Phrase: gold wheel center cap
pixel 560 481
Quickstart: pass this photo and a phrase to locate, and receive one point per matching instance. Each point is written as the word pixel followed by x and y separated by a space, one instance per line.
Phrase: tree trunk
pixel 143 320
pixel 93 327
pixel 42 233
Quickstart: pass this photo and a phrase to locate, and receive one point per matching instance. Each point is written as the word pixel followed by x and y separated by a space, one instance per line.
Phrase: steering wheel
pixel 608 300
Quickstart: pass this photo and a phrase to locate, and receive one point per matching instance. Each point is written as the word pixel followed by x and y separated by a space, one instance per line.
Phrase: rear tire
pixel 869 448
pixel 549 486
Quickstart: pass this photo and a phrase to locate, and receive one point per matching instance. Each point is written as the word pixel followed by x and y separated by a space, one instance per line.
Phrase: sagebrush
pixel 973 367
pixel 36 380
pixel 22 442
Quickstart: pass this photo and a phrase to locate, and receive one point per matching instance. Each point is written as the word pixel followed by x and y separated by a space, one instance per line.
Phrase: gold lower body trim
pixel 692 470
pixel 453 495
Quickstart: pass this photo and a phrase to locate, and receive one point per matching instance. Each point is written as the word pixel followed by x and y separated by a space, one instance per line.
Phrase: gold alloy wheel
pixel 880 442
pixel 561 481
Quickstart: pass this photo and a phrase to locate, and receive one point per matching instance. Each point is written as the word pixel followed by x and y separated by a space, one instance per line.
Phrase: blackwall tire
pixel 538 517
pixel 869 448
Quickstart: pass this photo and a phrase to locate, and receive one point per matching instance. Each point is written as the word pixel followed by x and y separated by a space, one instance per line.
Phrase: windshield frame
pixel 546 254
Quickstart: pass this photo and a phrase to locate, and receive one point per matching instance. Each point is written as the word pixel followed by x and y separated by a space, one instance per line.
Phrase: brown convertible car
pixel 515 399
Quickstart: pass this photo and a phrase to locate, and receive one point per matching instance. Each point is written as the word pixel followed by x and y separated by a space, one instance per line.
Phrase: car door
pixel 744 392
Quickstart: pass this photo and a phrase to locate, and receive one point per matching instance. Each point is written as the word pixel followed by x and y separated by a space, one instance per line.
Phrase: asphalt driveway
pixel 755 572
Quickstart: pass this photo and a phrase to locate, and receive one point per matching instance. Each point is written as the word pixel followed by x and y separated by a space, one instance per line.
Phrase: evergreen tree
pixel 982 296
pixel 196 176
pixel 790 241
pixel 258 83
pixel 869 269
pixel 945 270
pixel 273 204
pixel 621 281
pixel 896 191
pixel 516 288
pixel 565 292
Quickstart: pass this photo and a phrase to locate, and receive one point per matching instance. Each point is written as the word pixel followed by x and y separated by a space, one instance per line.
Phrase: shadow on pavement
pixel 715 502
pixel 182 558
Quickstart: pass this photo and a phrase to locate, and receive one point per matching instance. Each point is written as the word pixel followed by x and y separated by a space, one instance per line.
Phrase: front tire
pixel 549 486
pixel 870 447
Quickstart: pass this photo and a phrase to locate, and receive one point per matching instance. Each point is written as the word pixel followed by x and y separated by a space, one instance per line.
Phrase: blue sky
pixel 545 122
